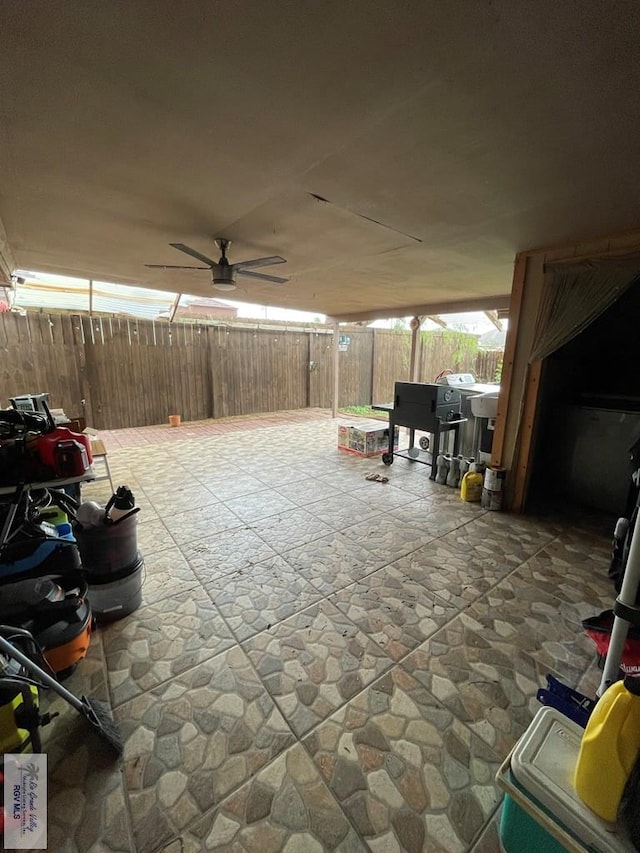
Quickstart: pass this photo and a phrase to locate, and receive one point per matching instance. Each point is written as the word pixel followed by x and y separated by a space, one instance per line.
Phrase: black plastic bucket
pixel 109 548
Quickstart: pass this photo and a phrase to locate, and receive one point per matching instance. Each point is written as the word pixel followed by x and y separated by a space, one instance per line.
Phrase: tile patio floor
pixel 320 662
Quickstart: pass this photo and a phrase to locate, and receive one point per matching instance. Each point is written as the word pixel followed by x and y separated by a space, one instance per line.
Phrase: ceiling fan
pixel 223 273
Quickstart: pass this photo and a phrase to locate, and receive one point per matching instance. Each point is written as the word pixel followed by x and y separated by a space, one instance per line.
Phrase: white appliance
pixel 480 421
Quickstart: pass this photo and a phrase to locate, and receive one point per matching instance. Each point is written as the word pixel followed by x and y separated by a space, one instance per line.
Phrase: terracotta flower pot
pixel 174 420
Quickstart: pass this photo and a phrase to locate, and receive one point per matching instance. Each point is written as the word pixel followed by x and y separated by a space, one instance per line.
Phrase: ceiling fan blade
pixel 194 254
pixel 272 278
pixel 171 267
pixel 260 262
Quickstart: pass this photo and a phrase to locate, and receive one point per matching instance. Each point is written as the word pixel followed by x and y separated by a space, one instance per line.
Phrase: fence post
pixel 336 371
pixel 372 390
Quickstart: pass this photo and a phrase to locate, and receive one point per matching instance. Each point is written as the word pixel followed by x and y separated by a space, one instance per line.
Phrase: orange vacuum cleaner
pixel 56 610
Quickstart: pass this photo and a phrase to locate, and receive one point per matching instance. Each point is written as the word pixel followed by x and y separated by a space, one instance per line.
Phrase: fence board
pixel 488 367
pixel 131 373
pixel 321 374
pixel 392 355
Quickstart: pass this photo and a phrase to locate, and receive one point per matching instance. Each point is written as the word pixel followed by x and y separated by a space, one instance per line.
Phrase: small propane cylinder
pixel 442 468
pixel 453 477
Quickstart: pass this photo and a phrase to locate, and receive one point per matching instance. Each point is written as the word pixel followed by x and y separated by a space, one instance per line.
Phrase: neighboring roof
pixel 206 303
pixel 55 293
pixel 396 154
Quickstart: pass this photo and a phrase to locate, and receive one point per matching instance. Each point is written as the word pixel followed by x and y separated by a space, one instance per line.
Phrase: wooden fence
pixel 125 373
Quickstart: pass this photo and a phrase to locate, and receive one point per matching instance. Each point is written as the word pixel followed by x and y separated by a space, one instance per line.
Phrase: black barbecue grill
pixel 420 406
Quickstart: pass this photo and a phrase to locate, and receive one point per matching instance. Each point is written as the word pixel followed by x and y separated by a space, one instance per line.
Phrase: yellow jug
pixel 471 489
pixel 609 748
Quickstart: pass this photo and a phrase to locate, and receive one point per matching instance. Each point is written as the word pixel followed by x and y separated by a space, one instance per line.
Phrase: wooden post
pixel 372 390
pixel 515 306
pixel 524 450
pixel 336 372
pixel 91 297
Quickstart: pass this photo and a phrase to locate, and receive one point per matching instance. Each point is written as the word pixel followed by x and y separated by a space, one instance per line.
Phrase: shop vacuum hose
pixel 95 712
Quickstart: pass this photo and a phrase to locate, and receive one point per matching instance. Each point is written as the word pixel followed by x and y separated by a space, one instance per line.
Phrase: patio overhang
pixel 398 190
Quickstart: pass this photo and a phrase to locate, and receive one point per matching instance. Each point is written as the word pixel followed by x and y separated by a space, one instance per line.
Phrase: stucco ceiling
pixel 440 138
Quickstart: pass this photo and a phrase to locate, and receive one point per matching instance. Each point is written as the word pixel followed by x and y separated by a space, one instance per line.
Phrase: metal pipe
pixel 415 328
pixel 628 592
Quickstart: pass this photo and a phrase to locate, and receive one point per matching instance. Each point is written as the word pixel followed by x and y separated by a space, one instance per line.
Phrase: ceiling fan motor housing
pixel 224 277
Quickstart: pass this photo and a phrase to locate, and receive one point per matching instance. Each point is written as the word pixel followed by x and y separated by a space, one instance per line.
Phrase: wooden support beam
pixel 7 261
pixel 521 471
pixel 174 307
pixel 438 321
pixel 485 303
pixel 612 255
pixel 493 316
pixel 91 297
pixel 336 372
pixel 517 290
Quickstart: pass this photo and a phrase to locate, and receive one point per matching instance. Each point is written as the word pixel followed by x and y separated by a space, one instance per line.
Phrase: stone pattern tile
pixel 396 633
pixel 494 543
pixel 333 561
pixel 200 522
pixel 223 553
pixel 529 618
pixel 447 572
pixel 396 612
pixel 290 530
pixel 256 597
pixel 488 683
pixel 307 490
pixel 166 573
pixel 153 536
pixel 489 839
pixel 343 510
pixel 314 662
pixel 385 536
pixel 191 741
pixel 87 807
pixel 566 574
pixel 162 640
pixel 259 505
pixel 285 807
pixel 409 774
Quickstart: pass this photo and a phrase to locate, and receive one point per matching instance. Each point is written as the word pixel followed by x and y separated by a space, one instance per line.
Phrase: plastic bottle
pixel 453 477
pixel 609 748
pixel 442 468
pixel 471 488
pixel 121 503
pixel 90 514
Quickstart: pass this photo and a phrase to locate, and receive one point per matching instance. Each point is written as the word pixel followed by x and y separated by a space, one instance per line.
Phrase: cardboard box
pixel 366 438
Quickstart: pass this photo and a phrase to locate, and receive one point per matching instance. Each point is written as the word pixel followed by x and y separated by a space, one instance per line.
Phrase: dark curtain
pixel 574 295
